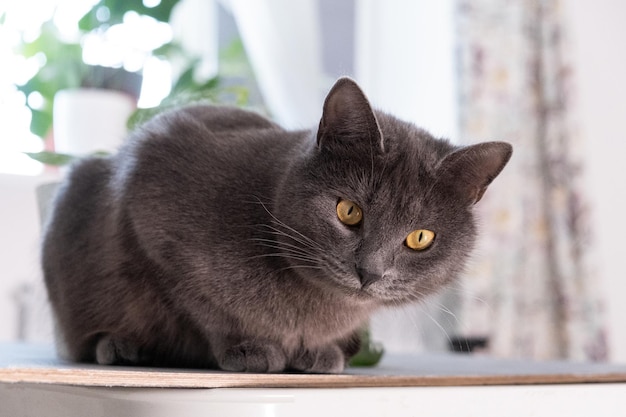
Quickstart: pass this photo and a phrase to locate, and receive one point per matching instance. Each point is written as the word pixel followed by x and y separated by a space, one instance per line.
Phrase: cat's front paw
pixel 326 360
pixel 254 357
pixel 112 350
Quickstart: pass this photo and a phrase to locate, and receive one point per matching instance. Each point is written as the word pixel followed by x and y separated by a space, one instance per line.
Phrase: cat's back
pixel 225 118
pixel 207 140
pixel 205 127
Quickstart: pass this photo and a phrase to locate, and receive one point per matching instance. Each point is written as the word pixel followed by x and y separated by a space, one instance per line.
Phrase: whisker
pixel 469 295
pixel 281 223
pixel 284 255
pixel 298 267
pixel 449 315
pixel 438 325
pixel 269 243
pixel 310 241
pixel 279 232
pixel 446 310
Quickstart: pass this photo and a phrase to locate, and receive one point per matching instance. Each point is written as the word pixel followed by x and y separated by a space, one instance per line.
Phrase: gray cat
pixel 217 239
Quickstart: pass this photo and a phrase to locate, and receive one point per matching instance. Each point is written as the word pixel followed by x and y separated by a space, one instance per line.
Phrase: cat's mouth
pixel 370 285
pixel 357 283
pixel 378 288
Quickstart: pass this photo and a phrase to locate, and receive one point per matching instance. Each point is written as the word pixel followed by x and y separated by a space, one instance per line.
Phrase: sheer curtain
pixel 404 60
pixel 282 40
pixel 538 293
pixel 403 53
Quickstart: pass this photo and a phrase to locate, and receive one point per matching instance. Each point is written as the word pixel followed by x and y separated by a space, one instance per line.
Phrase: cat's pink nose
pixel 366 277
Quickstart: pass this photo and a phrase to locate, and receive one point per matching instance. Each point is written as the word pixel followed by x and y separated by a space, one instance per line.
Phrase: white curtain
pixel 405 60
pixel 282 40
pixel 194 23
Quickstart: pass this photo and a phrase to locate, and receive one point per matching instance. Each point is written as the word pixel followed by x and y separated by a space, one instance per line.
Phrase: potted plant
pixel 75 97
pixel 82 101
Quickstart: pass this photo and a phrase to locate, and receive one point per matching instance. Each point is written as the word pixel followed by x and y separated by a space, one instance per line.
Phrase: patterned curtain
pixel 532 290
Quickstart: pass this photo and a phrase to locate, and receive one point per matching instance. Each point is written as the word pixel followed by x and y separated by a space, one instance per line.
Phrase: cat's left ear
pixel 470 170
pixel 348 118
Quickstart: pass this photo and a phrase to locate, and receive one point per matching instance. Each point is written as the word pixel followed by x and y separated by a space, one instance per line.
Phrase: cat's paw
pixel 325 360
pixel 111 350
pixel 254 357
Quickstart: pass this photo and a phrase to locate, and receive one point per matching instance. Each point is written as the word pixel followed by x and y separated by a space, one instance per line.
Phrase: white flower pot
pixel 88 120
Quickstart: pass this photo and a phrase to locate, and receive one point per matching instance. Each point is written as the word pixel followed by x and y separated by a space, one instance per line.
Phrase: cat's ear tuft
pixel 470 170
pixel 348 117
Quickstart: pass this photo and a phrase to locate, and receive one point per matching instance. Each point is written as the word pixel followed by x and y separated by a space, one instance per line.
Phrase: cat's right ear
pixel 348 117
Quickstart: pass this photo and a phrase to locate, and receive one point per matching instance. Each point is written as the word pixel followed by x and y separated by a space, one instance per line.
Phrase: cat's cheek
pixel 344 232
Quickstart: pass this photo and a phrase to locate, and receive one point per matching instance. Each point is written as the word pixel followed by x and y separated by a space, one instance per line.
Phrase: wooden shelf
pixel 21 363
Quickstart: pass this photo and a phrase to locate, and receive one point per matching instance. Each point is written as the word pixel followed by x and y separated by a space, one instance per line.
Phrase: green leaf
pixel 370 352
pixel 60 159
pixel 51 158
pixel 118 8
pixel 100 154
pixel 90 21
pixel 241 95
pixel 170 49
pixel 210 84
pixel 185 80
pixel 140 116
pixel 233 60
pixel 40 122
pixel 366 358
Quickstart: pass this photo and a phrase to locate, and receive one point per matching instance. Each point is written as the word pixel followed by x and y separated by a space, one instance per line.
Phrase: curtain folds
pixel 533 289
pixel 283 43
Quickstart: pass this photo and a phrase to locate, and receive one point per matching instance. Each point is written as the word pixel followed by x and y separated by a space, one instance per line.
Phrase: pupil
pixel 350 210
pixel 420 236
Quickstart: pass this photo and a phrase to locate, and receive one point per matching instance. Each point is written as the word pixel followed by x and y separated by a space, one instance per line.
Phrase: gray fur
pixel 211 239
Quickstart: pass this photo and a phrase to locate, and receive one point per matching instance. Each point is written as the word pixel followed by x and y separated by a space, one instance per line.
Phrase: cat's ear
pixel 470 170
pixel 348 117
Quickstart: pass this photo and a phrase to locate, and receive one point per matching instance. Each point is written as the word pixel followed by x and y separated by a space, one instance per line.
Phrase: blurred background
pixel 548 280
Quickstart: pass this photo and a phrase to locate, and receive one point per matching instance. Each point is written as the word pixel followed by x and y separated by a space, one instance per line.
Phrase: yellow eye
pixel 349 212
pixel 420 239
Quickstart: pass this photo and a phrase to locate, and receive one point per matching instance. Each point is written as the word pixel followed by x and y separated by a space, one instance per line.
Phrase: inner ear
pixel 348 117
pixel 470 170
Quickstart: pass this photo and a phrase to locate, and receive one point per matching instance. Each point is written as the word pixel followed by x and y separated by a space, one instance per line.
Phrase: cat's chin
pixel 381 298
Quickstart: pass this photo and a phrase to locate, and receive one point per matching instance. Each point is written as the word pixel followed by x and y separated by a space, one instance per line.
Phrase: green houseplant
pixel 64 69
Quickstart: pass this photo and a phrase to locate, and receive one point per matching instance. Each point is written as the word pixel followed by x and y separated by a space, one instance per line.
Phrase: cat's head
pixel 378 208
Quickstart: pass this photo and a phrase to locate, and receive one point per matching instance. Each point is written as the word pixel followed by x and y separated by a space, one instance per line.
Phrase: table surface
pixel 23 363
pixel 34 382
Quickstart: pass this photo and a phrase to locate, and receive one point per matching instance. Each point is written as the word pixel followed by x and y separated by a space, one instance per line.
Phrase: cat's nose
pixel 366 277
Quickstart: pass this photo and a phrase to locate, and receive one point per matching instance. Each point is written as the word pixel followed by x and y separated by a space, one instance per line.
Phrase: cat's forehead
pixel 408 171
pixel 400 177
pixel 407 143
pixel 406 187
pixel 400 181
